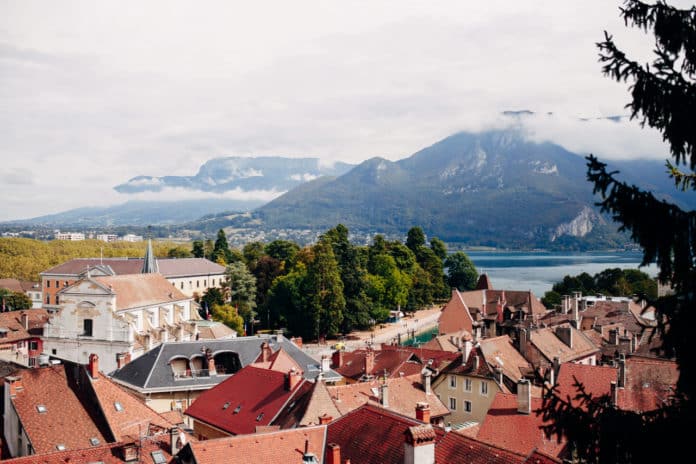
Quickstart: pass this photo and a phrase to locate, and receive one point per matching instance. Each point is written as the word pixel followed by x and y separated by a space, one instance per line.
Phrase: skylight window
pixel 226 405
pixel 60 447
pixel 158 457
pixel 237 409
pixel 259 417
pixel 118 406
pixel 94 441
pixel 41 408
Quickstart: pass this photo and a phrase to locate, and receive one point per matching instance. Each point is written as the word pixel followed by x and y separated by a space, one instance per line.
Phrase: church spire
pixel 150 262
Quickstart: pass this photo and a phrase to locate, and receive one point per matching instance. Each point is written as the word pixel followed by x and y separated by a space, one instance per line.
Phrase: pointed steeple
pixel 150 262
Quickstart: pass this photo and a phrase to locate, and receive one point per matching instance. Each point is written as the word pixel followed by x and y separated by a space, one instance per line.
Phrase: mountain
pixel 494 188
pixel 270 173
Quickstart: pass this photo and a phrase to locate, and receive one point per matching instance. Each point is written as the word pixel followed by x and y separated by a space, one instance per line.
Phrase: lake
pixel 538 271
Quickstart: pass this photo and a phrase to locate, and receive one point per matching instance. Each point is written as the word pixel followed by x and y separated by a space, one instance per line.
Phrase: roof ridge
pixel 159 353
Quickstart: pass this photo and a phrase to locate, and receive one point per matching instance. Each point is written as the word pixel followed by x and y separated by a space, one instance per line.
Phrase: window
pixel 54 351
pixel 453 381
pixel 467 406
pixel 94 441
pixel 48 299
pixel 158 457
pixel 205 283
pixel 87 327
pixel 182 285
pixel 484 388
pixel 65 284
pixel 117 406
pixel 467 385
pixel 57 283
pixel 33 345
pixel 213 282
pixel 48 284
pixel 453 404
pixel 198 284
pixel 57 299
pixel 60 447
pixel 41 408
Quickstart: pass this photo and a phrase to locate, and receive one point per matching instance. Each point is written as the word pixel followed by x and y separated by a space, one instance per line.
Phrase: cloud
pixel 306 177
pixel 16 177
pixel 178 193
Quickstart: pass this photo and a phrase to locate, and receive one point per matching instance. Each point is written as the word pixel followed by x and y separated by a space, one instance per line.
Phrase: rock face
pixel 580 226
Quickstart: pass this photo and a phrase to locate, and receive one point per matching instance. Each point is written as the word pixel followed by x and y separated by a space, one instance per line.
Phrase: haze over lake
pixel 538 271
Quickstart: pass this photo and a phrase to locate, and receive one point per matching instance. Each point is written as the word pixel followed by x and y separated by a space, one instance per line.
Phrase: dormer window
pixel 3 332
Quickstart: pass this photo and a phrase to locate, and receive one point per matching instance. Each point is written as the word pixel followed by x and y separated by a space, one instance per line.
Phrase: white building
pixel 131 238
pixel 107 237
pixel 71 236
pixel 119 318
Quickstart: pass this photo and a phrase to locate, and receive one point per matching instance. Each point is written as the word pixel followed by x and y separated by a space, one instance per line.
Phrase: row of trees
pixel 333 286
pixel 612 282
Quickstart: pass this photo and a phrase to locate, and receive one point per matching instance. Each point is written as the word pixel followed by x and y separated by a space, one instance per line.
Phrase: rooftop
pixel 169 267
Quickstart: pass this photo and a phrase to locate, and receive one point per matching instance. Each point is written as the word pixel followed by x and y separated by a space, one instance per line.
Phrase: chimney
pixel 369 361
pixel 498 375
pixel 14 385
pixel 523 342
pixel 419 447
pixel 173 440
pixel 613 336
pixel 426 378
pixel 566 335
pixel 307 457
pixel 93 366
pixel 337 359
pixel 468 346
pixel 325 419
pixel 476 362
pixel 565 305
pixel 24 318
pixel 266 352
pixel 292 379
pixel 524 397
pixel 622 371
pixel 129 452
pixel 555 368
pixel 614 394
pixel 384 394
pixel 333 454
pixel 122 359
pixel 325 363
pixel 211 364
pixel 423 412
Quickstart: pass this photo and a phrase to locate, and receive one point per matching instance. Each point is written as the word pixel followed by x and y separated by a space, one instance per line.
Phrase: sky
pixel 95 93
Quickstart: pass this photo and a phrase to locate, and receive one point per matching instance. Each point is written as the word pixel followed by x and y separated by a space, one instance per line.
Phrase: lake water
pixel 538 271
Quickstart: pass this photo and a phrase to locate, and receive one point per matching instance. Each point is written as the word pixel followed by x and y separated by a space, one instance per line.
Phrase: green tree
pixel 221 250
pixel 229 316
pixel 242 289
pixel 324 290
pixel 287 303
pixel 284 251
pixel 415 239
pixel 461 271
pixel 14 301
pixel 439 248
pixel 252 251
pixel 664 98
pixel 198 249
pixel 267 269
pixel 179 252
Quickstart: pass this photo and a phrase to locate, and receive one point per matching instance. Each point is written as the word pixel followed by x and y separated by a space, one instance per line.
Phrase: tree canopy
pixel 664 98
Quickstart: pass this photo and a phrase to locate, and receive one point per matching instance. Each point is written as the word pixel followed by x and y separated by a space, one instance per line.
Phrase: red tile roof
pixel 442 343
pixel 434 358
pixel 257 396
pixel 484 283
pixel 455 316
pixel 596 380
pixel 136 290
pixel 319 403
pixel 551 346
pixel 504 427
pixel 469 367
pixel 66 421
pixel 500 352
pixel 133 418
pixel 282 447
pixel 650 383
pixel 393 361
pixel 279 361
pixel 12 321
pixel 458 448
pixel 403 394
pixel 108 454
pixel 371 435
pixel 13 285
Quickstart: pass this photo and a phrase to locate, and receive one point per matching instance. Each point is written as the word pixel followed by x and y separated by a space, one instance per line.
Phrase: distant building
pixel 131 238
pixel 30 289
pixel 119 318
pixel 20 335
pixel 188 275
pixel 71 236
pixel 107 237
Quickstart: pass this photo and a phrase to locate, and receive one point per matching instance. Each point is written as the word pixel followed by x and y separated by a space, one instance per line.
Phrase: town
pixel 119 360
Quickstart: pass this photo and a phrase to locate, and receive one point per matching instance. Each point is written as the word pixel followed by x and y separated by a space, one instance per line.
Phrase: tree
pixel 179 252
pixel 439 248
pixel 242 287
pixel 461 271
pixel 14 301
pixel 221 249
pixel 324 290
pixel 415 238
pixel 284 251
pixel 664 98
pixel 229 316
pixel 198 250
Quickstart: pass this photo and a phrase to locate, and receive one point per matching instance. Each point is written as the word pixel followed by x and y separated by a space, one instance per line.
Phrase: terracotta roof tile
pixel 393 361
pixel 282 447
pixel 458 448
pixel 551 346
pixel 595 379
pixel 441 342
pixel 456 315
pixel 403 395
pixel 320 403
pixel 469 368
pixel 650 383
pixel 500 352
pixel 65 420
pixel 12 321
pixel 251 397
pixel 504 427
pixel 279 361
pixel 138 290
